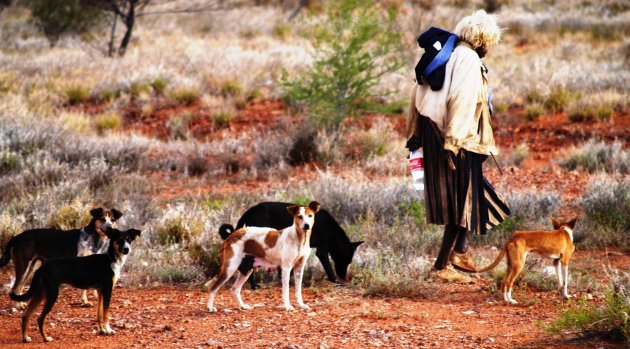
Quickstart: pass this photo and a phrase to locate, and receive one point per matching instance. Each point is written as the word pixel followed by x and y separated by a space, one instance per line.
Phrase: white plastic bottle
pixel 416 162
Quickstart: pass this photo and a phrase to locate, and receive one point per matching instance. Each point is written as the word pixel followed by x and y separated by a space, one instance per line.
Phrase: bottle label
pixel 416 164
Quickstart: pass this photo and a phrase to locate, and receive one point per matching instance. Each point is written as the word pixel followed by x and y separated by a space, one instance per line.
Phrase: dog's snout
pixel 125 250
pixel 307 226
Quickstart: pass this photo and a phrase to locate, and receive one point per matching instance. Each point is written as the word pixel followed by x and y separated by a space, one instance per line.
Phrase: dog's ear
pixel 356 244
pixel 112 233
pixel 556 224
pixel 133 233
pixel 314 206
pixel 97 212
pixel 116 214
pixel 572 222
pixel 293 209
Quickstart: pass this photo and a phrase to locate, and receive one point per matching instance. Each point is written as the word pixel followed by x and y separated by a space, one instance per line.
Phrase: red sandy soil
pixel 447 316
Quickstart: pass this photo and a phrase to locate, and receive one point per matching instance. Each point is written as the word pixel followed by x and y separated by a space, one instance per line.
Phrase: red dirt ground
pixel 448 316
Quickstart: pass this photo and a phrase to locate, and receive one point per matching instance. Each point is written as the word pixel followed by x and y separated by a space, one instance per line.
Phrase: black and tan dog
pixel 34 245
pixel 98 271
pixel 328 238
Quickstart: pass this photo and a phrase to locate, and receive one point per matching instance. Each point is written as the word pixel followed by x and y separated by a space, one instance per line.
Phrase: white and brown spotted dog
pixel 288 248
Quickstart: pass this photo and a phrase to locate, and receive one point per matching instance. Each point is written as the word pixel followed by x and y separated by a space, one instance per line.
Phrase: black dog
pixel 41 244
pixel 327 237
pixel 98 271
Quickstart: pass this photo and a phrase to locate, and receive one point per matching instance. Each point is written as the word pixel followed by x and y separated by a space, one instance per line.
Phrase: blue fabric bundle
pixel 438 44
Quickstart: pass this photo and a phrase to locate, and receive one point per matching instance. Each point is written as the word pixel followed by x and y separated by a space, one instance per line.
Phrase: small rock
pixel 167 328
pixel 468 312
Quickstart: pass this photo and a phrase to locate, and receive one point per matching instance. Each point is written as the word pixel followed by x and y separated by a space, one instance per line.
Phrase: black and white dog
pixel 99 272
pixel 41 244
pixel 328 238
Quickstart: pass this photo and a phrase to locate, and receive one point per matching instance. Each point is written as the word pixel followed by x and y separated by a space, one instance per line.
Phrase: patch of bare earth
pixel 449 315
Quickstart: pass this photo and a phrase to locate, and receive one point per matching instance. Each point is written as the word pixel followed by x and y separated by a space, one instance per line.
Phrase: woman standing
pixel 451 122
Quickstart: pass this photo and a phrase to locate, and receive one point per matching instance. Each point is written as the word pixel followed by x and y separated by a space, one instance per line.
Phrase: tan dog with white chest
pixel 556 244
pixel 288 248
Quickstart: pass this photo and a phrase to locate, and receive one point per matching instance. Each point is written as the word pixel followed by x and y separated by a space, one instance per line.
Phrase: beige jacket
pixel 460 108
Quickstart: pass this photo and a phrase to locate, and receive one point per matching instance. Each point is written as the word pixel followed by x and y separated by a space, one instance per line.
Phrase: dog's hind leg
pixel 238 285
pixel 107 297
pixel 322 255
pixel 224 275
pixel 565 289
pixel 35 301
pixel 99 312
pixel 286 276
pixel 556 263
pixel 51 297
pixel 23 270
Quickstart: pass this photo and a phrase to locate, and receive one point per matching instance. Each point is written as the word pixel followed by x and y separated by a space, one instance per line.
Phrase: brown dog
pixel 556 244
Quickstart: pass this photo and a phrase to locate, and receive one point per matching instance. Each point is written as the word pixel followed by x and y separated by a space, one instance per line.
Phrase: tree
pixel 354 48
pixel 59 17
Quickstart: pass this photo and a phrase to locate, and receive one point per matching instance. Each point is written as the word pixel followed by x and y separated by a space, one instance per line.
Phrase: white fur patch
pixel 568 230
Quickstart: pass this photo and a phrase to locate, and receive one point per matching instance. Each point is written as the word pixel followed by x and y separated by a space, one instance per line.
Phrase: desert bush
pixel 185 95
pixel 388 277
pixel 610 320
pixel 361 144
pixel 178 126
pixel 76 94
pixel 178 225
pixel 533 112
pixel 606 221
pixel 67 217
pixel 205 256
pixel 354 48
pixel 594 156
pixel 59 17
pixel 281 30
pixel 159 86
pixel 222 118
pixel 108 121
pixel 230 88
pixel 9 162
pixel 558 99
pixel 517 155
pixel 11 224
pixel 140 89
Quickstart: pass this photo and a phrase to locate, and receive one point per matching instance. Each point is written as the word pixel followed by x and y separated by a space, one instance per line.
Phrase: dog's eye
pixel 310 216
pixel 300 217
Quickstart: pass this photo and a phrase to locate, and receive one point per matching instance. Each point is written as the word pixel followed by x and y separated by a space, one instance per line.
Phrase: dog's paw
pixel 48 339
pixel 566 296
pixel 246 306
pixel 87 305
pixel 20 306
pixel 26 339
pixel 289 308
pixel 511 301
pixel 304 306
pixel 212 310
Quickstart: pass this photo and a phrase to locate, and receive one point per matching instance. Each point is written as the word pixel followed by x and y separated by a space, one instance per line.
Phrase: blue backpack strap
pixel 443 56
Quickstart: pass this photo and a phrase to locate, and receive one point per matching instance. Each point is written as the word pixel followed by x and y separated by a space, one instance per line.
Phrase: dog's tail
pixel 6 256
pixel 26 296
pixel 494 264
pixel 225 230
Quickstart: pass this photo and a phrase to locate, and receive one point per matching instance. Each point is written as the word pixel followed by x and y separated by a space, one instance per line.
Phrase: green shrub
pixel 558 99
pixel 178 230
pixel 230 88
pixel 222 119
pixel 58 17
pixel 108 95
pixel 139 89
pixel 582 113
pixel 518 154
pixel 77 94
pixel 159 86
pixel 106 122
pixel 606 204
pixel 9 161
pixel 206 257
pixel 611 320
pixel 281 30
pixel 533 112
pixel 354 47
pixel 604 113
pixel 254 95
pixel 67 217
pixel 185 95
pixel 178 126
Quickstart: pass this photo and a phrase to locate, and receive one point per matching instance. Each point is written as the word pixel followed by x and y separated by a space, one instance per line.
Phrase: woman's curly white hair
pixel 479 29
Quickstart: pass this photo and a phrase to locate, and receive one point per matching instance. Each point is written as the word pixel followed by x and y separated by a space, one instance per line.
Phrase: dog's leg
pixel 556 263
pixel 565 290
pixel 224 275
pixel 84 300
pixel 517 261
pixel 52 292
pixel 322 255
pixel 99 313
pixel 286 276
pixel 299 274
pixel 22 271
pixel 504 285
pixel 107 297
pixel 36 300
pixel 238 285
